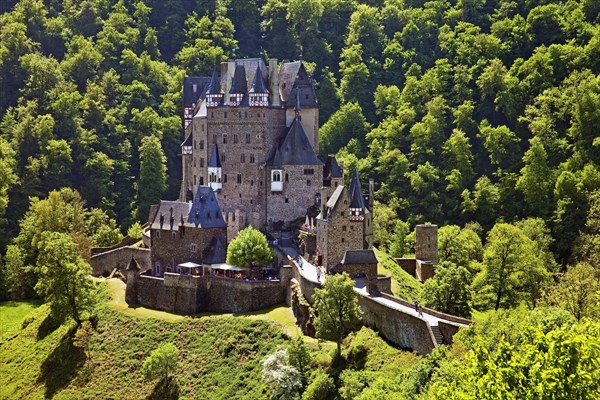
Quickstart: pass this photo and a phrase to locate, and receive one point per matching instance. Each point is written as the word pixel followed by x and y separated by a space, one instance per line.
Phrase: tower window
pixel 194 179
pixel 201 181
pixel 224 138
pixel 214 138
pixel 239 178
pixel 251 158
pixel 235 138
pixel 201 162
pixel 287 177
pixel 173 235
pixel 194 144
pixel 276 176
pixel 225 114
pixel 202 144
pixel 223 157
pixel 247 138
pixel 225 178
pixel 243 158
pixel 287 200
pixel 308 182
pixel 194 247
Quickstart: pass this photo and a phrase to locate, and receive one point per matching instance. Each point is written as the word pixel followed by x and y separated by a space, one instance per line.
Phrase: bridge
pixel 394 318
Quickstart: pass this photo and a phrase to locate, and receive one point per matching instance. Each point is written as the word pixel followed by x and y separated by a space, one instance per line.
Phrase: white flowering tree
pixel 283 380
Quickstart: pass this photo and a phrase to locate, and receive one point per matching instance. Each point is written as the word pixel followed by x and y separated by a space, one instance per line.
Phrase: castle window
pixel 201 181
pixel 224 138
pixel 309 171
pixel 240 195
pixel 251 158
pixel 225 114
pixel 239 178
pixel 223 157
pixel 225 178
pixel 202 127
pixel 173 235
pixel 343 240
pixel 235 138
pixel 308 182
pixel 201 162
pixel 247 138
pixel 194 162
pixel 194 179
pixel 251 182
pixel 202 143
pixel 344 228
pixel 243 158
pixel 246 114
pixel 306 97
pixel 194 144
pixel 212 114
pixel 214 138
pixel 250 201
pixel 287 200
pixel 276 176
pixel 287 177
pixel 157 234
pixel 342 214
pixel 194 247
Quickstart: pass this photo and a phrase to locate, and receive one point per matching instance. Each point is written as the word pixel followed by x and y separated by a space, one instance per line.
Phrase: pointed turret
pixel 214 169
pixel 238 86
pixel 332 172
pixel 259 95
pixel 296 148
pixel 214 95
pixel 357 200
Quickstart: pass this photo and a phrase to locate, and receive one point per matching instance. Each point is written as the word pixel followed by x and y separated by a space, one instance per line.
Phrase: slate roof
pixel 337 193
pixel 133 265
pixel 189 96
pixel 239 83
pixel 217 252
pixel 332 168
pixel 287 78
pixel 356 196
pixel 359 257
pixel 214 86
pixel 276 162
pixel 203 212
pixel 296 149
pixel 258 84
pixel 214 161
pixel 188 141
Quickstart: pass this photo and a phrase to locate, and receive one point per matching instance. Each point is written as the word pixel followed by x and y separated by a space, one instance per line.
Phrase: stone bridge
pixel 104 263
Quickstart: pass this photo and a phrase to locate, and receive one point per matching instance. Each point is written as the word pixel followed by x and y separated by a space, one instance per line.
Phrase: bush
pixel 321 387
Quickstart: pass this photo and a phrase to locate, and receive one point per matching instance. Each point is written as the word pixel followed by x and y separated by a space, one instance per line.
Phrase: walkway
pixel 309 271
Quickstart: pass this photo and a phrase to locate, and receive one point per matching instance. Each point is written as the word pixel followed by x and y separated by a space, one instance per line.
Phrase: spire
pixel 357 198
pixel 214 161
pixel 239 85
pixel 214 86
pixel 296 148
pixel 276 160
pixel 258 84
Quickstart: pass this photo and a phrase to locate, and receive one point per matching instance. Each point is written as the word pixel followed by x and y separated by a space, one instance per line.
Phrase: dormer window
pixel 276 183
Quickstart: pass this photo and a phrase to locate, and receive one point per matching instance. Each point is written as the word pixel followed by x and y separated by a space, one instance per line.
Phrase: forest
pixel 481 116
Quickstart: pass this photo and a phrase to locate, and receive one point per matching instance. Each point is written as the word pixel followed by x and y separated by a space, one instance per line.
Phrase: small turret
pixel 214 95
pixel 259 95
pixel 276 173
pixel 131 272
pixel 238 86
pixel 357 201
pixel 214 169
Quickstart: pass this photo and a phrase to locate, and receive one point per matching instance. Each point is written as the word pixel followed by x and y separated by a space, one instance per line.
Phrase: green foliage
pixel 449 290
pixel 161 362
pixel 249 248
pixel 135 231
pixel 282 379
pixel 299 356
pixel 337 308
pixel 152 182
pixel 321 387
pixel 345 124
pixel 63 277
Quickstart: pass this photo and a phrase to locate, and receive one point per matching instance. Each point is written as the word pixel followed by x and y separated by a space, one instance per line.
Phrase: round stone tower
pixel 426 243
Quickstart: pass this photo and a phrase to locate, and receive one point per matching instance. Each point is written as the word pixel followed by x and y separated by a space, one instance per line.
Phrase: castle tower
pixel 238 86
pixel 131 272
pixel 258 93
pixel 426 243
pixel 214 95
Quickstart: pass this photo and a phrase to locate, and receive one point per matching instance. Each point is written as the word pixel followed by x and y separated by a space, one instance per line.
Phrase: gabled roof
pixel 217 253
pixel 296 149
pixel 359 257
pixel 357 200
pixel 189 96
pixel 258 84
pixel 214 161
pixel 239 83
pixel 214 86
pixel 205 211
pixel 287 78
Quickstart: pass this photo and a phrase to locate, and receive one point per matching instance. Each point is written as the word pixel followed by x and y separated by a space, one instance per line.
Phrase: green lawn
pixel 12 315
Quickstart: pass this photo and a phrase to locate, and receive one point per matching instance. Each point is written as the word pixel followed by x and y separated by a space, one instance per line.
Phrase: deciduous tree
pixel 249 248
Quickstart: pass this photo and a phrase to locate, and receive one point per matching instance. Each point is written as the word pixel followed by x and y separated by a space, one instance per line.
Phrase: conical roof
pixel 357 198
pixel 276 163
pixel 296 148
pixel 239 84
pixel 258 85
pixel 133 265
pixel 332 168
pixel 214 87
pixel 214 161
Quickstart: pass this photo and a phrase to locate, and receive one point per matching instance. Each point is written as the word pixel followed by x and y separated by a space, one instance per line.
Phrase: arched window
pixel 276 176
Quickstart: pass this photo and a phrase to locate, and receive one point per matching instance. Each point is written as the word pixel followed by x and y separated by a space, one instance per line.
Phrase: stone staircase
pixel 437 334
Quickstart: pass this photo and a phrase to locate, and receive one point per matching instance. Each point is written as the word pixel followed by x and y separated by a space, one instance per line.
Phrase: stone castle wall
pixel 301 186
pixel 104 263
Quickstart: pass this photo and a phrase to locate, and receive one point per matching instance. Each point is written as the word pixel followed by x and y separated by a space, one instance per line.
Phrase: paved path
pixel 309 271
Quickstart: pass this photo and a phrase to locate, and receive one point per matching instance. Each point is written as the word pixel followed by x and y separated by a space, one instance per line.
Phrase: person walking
pixel 420 311
pixel 416 306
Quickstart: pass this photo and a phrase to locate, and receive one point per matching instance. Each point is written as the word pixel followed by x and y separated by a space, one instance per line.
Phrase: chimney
pixel 274 83
pixel 228 79
pixel 324 198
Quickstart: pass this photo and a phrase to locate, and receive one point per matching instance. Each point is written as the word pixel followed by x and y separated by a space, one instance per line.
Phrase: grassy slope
pixel 403 285
pixel 12 315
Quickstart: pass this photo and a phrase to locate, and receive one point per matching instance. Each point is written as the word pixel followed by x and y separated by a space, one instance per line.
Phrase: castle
pixel 249 158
